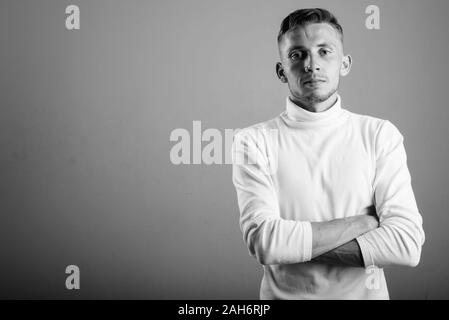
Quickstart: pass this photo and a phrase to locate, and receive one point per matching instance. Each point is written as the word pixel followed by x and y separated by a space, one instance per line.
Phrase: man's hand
pixel 371 217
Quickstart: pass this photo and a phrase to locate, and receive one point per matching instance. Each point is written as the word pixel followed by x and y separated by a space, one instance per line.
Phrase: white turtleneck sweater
pixel 304 167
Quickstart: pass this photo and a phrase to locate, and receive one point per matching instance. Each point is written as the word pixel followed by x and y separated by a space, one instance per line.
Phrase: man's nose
pixel 310 64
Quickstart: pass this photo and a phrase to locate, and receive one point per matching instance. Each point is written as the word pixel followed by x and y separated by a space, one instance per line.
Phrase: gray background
pixel 86 116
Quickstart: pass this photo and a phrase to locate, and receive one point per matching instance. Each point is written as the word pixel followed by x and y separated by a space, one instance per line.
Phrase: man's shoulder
pixel 377 127
pixel 367 120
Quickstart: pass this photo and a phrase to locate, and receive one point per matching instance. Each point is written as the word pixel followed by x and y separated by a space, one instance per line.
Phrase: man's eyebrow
pixel 325 44
pixel 321 45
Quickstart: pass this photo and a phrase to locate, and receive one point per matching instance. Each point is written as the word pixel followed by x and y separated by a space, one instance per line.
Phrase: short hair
pixel 303 17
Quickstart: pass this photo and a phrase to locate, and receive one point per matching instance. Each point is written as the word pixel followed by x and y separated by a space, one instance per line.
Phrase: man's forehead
pixel 311 34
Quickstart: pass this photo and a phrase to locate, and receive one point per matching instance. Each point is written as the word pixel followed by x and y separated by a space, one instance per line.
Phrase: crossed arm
pixel 273 240
pixel 333 242
pixel 395 237
pixel 399 236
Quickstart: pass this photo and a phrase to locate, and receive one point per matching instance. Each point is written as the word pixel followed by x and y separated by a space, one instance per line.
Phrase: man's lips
pixel 313 81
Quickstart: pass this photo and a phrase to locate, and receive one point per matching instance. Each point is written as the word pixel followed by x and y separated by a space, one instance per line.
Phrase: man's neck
pixel 316 106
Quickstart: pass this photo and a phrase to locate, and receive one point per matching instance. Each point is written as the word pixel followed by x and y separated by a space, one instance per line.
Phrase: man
pixel 327 201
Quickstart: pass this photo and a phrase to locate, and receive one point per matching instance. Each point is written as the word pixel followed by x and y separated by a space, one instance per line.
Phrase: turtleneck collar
pixel 297 116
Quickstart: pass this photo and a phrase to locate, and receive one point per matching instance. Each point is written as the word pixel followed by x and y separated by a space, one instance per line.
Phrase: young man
pixel 329 194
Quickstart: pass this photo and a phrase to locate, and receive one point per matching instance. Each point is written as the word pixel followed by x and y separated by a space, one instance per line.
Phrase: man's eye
pixel 296 56
pixel 325 52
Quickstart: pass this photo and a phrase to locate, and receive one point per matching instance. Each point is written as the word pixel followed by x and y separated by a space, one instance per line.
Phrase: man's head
pixel 310 45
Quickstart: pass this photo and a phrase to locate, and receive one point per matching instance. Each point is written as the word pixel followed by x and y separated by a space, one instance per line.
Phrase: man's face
pixel 312 61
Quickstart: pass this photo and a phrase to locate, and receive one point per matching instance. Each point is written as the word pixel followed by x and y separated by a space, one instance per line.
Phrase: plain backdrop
pixel 85 124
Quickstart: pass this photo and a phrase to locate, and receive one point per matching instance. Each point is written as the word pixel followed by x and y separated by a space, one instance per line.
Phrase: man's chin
pixel 317 96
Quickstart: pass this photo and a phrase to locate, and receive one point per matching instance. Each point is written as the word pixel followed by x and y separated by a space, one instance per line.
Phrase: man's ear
pixel 346 65
pixel 280 72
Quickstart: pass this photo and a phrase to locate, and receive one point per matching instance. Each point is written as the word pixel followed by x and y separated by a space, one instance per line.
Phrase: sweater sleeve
pixel 269 238
pixel 399 238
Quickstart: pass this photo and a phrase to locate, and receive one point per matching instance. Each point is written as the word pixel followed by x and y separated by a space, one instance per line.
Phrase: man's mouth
pixel 313 81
